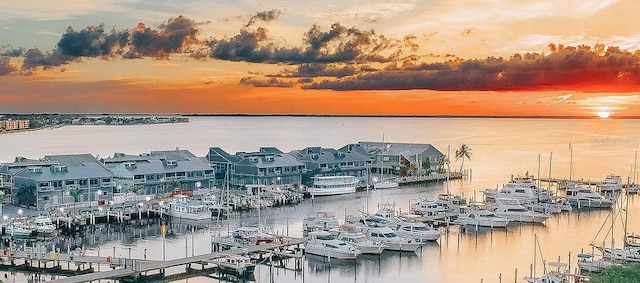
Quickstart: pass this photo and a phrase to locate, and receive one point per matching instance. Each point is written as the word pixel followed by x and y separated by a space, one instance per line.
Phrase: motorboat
pixel 245 236
pixel 476 216
pixel 320 220
pixel 514 211
pixel 17 229
pixel 417 231
pixel 43 225
pixel 522 188
pixel 388 237
pixel 388 183
pixel 429 210
pixel 333 185
pixel 237 265
pixel 353 234
pixel 324 244
pixel 632 188
pixel 582 196
pixel 590 263
pixel 181 207
pixel 611 184
pixel 629 254
pixel 559 275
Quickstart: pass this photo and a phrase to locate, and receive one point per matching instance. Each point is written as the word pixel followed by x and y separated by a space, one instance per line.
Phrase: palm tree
pixel 444 161
pixel 463 152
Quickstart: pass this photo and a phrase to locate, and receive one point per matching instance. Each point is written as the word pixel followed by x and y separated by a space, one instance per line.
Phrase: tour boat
pixel 333 185
pixel 181 207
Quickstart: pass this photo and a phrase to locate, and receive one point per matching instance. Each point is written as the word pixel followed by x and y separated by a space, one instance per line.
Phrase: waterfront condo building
pixel 58 181
pixel 159 172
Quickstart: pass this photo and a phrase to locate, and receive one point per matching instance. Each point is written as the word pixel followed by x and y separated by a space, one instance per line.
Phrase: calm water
pixel 501 148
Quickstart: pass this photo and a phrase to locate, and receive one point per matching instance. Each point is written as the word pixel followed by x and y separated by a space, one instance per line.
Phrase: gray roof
pixel 76 166
pixel 218 155
pixel 406 149
pixel 277 160
pixel 320 155
pixel 159 162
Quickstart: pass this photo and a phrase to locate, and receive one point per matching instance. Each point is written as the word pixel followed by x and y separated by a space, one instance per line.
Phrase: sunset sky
pixel 410 57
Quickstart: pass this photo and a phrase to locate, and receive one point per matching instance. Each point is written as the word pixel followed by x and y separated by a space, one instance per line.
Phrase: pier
pixel 82 268
pixel 408 180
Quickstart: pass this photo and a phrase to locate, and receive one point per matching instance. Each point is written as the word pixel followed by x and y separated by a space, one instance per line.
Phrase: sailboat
pixel 384 183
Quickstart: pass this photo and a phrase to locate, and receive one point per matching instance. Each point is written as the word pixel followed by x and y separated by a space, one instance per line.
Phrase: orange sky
pixel 402 57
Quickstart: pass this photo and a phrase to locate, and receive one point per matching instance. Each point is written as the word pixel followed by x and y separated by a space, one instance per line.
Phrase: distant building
pixel 159 172
pixel 268 166
pixel 12 125
pixel 350 160
pixel 57 181
pixel 403 159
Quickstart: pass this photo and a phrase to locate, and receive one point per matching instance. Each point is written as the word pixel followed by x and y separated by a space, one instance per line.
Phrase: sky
pixel 404 57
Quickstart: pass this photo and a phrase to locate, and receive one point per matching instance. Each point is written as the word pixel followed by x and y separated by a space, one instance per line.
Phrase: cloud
pixel 271 82
pixel 565 67
pixel 5 66
pixel 173 37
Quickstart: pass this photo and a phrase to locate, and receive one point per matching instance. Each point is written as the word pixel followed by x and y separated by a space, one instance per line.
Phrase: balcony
pixel 108 184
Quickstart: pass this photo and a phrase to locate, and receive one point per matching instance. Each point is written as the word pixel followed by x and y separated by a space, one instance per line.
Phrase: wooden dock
pixel 408 180
pixel 134 268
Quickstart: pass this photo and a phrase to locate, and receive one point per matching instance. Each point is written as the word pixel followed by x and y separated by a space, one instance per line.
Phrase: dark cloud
pixel 92 41
pixel 322 70
pixel 11 52
pixel 338 44
pixel 563 67
pixel 265 16
pixel 36 58
pixel 175 36
pixel 5 66
pixel 270 82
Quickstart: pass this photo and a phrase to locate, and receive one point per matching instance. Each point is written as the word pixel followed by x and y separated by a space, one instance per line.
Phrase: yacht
pixel 481 217
pixel 324 244
pixel 388 183
pixel 631 254
pixel 43 225
pixel 429 210
pixel 417 231
pixel 520 188
pixel 589 263
pixel 181 207
pixel 17 229
pixel 514 211
pixel 611 184
pixel 333 185
pixel 388 237
pixel 320 220
pixel 352 234
pixel 582 196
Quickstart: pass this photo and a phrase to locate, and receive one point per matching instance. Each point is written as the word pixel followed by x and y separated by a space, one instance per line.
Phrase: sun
pixel 604 114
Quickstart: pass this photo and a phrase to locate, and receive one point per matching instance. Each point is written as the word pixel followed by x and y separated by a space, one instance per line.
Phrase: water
pixel 501 148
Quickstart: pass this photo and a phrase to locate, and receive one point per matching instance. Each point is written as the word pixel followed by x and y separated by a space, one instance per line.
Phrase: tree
pixel 26 196
pixel 463 152
pixel 136 188
pixel 618 274
pixel 444 161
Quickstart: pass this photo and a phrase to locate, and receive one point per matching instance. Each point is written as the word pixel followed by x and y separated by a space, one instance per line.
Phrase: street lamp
pixel 20 213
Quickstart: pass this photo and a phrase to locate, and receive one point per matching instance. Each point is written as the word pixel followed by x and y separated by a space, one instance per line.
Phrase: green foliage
pixel 618 274
pixel 463 152
pixel 137 188
pixel 75 193
pixel 26 195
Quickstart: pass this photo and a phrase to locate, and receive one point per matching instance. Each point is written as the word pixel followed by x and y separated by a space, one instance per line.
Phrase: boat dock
pixel 81 268
pixel 409 180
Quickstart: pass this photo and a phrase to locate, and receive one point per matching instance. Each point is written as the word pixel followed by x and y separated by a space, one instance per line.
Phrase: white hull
pixel 331 192
pixel 333 253
pixel 527 218
pixel 497 223
pixel 403 247
pixel 386 185
pixel 189 216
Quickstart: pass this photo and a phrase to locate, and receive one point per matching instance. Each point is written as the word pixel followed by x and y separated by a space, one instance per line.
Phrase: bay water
pixel 501 148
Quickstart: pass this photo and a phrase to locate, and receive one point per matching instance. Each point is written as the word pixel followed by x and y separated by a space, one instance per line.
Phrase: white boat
pixel 17 229
pixel 429 210
pixel 388 183
pixel 237 265
pixel 181 207
pixel 417 231
pixel 560 275
pixel 324 244
pixel 633 188
pixel 320 220
pixel 216 207
pixel 582 196
pixel 354 235
pixel 514 211
pixel 611 184
pixel 481 217
pixel 630 254
pixel 390 239
pixel 43 225
pixel 522 188
pixel 333 185
pixel 589 263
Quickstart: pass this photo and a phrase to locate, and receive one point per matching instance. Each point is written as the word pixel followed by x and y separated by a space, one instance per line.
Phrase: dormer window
pixel 172 162
pixel 35 169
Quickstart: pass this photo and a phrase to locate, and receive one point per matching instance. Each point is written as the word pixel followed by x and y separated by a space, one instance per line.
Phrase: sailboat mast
pixel 570 162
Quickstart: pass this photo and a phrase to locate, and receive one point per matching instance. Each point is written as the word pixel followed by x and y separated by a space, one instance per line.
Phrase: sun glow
pixel 603 114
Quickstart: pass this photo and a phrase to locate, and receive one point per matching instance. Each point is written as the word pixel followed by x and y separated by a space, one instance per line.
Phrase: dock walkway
pixel 135 267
